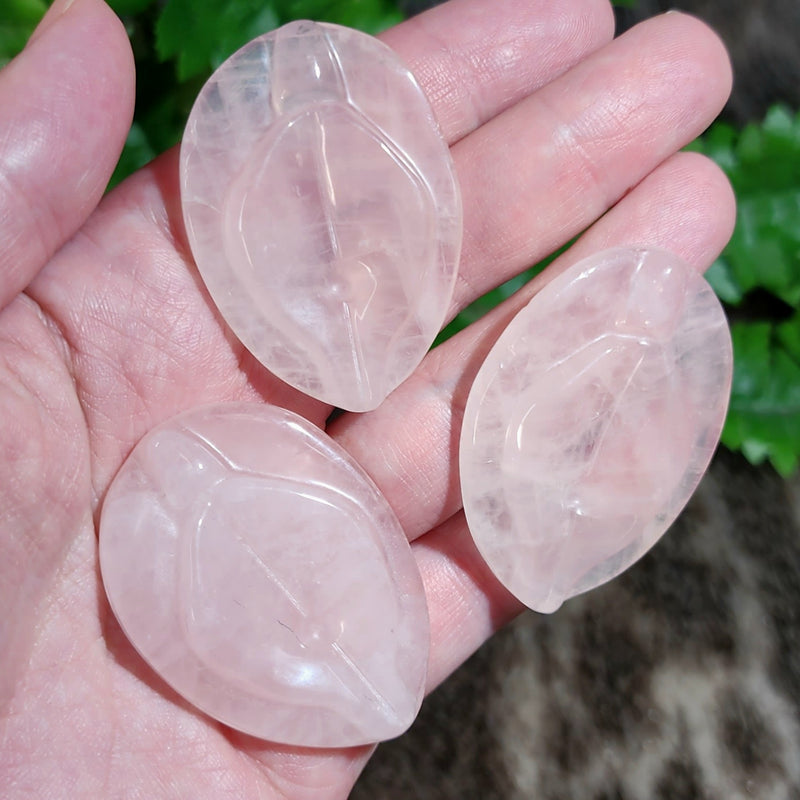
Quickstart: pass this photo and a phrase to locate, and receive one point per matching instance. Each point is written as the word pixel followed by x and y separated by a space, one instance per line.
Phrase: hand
pixel 105 331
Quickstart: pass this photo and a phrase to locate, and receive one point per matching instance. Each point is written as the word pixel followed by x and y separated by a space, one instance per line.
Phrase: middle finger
pixel 544 170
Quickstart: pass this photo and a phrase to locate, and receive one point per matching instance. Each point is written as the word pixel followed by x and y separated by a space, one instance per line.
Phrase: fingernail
pixel 53 14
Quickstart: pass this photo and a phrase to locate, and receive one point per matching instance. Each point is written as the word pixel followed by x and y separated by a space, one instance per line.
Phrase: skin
pixel 106 331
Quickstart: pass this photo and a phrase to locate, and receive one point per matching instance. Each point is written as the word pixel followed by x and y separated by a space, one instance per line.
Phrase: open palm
pixel 106 330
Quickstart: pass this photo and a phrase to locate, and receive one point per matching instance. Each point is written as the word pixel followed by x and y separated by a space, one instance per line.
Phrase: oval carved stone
pixel 322 210
pixel 591 421
pixel 261 573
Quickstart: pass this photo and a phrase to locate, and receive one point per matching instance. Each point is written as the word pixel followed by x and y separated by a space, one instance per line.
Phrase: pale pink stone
pixel 261 573
pixel 592 420
pixel 322 210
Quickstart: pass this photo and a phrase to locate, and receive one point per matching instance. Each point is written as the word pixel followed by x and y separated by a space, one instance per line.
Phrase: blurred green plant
pixel 758 277
pixel 177 43
pixel 18 18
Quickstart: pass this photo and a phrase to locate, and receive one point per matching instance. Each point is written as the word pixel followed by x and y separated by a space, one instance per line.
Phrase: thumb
pixel 66 104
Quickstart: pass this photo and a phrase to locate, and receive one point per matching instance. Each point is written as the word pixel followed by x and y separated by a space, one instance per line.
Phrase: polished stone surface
pixel 592 420
pixel 259 571
pixel 322 210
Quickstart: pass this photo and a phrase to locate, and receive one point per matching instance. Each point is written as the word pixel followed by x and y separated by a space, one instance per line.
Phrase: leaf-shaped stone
pixel 592 420
pixel 322 210
pixel 261 573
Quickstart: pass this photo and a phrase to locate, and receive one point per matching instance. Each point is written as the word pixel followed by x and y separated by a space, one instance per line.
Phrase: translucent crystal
pixel 592 420
pixel 261 573
pixel 322 210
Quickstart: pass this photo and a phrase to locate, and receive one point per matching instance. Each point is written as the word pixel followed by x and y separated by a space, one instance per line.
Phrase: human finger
pixel 67 106
pixel 543 171
pixel 474 59
pixel 466 602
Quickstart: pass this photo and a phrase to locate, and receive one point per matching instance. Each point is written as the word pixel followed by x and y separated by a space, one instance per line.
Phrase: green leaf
pixel 200 36
pixel 124 8
pixel 763 165
pixel 18 18
pixel 372 16
pixel 764 415
pixel 762 162
pixel 724 282
pixel 788 335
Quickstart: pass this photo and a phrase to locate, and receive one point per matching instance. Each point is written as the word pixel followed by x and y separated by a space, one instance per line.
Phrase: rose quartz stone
pixel 591 422
pixel 322 210
pixel 261 573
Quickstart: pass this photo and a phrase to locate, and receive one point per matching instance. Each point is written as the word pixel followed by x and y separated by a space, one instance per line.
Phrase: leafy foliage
pixel 763 165
pixel 200 36
pixel 764 416
pixel 758 276
pixel 18 18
